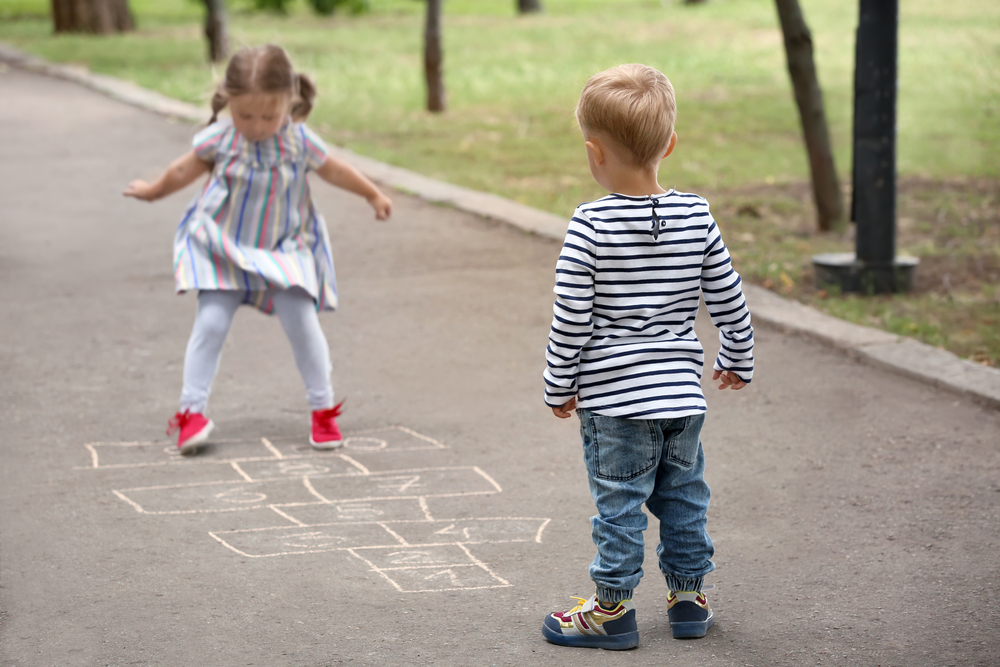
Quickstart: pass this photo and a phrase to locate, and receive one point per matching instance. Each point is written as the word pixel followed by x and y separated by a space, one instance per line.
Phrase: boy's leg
pixel 297 312
pixel 680 501
pixel 621 456
pixel 204 350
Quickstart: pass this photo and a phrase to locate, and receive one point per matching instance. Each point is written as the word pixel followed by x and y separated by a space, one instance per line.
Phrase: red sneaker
pixel 325 432
pixel 193 430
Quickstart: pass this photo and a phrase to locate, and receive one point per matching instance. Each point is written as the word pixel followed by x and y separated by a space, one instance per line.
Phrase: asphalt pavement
pixel 855 510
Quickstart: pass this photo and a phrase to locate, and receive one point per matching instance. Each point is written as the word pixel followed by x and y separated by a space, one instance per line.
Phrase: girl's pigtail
pixel 306 94
pixel 219 102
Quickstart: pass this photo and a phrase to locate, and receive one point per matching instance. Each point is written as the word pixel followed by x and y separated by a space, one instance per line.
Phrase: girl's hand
pixel 181 173
pixel 382 206
pixel 140 190
pixel 729 379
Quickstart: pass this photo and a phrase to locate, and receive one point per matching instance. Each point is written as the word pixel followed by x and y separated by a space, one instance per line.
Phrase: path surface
pixel 855 512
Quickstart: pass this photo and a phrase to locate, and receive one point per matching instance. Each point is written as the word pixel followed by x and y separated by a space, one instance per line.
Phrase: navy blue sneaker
pixel 690 615
pixel 589 625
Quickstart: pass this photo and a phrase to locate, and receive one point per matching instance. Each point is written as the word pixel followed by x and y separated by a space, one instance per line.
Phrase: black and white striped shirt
pixel 628 283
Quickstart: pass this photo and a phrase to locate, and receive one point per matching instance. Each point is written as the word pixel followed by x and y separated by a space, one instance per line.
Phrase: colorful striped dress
pixel 628 283
pixel 254 227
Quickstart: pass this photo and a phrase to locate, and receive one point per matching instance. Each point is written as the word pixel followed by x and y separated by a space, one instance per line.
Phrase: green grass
pixel 513 81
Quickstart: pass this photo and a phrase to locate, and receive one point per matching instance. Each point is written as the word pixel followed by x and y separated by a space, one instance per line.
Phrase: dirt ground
pixel 953 227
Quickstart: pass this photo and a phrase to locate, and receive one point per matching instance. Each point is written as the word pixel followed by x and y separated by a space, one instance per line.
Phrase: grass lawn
pixel 513 81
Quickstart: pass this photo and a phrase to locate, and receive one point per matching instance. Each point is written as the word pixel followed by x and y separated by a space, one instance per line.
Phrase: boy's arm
pixel 727 306
pixel 572 324
pixel 343 175
pixel 181 173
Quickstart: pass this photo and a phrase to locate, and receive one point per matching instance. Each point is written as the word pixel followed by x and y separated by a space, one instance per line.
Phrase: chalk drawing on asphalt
pixel 135 454
pixel 323 502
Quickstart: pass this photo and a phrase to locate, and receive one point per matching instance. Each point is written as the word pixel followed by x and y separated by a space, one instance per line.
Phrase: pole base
pixel 845 271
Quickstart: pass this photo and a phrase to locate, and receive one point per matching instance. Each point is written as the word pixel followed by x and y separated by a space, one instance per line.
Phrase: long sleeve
pixel 572 323
pixel 727 307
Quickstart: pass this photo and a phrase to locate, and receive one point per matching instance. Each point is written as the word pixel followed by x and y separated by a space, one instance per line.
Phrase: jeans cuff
pixel 687 584
pixel 612 595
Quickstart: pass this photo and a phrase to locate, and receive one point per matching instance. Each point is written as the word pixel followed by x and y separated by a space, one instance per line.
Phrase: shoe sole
pixel 691 630
pixel 324 446
pixel 621 642
pixel 191 445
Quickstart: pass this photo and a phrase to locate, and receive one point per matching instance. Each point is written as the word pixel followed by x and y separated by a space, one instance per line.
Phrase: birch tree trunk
pixel 99 17
pixel 434 59
pixel 809 98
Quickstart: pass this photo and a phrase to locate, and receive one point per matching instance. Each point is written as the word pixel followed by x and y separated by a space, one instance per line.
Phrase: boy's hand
pixel 729 380
pixel 566 410
pixel 382 206
pixel 140 190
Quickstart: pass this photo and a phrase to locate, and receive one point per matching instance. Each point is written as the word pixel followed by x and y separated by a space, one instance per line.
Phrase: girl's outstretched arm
pixel 179 174
pixel 347 177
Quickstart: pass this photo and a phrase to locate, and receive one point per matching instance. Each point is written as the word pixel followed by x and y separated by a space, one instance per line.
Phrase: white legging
pixel 297 312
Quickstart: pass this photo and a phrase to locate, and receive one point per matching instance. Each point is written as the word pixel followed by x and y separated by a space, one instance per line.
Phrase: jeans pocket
pixel 683 443
pixel 623 448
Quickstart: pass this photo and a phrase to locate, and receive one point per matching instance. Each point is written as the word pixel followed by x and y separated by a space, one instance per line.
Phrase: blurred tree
pixel 809 98
pixel 433 58
pixel 99 17
pixel 529 6
pixel 324 7
pixel 216 31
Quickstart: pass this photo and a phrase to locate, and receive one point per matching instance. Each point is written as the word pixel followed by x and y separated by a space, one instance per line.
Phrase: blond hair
pixel 264 69
pixel 632 105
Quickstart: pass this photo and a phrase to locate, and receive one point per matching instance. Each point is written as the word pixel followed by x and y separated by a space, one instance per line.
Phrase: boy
pixel 623 353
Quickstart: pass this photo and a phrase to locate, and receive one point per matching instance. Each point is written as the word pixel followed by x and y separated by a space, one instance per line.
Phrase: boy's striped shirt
pixel 628 283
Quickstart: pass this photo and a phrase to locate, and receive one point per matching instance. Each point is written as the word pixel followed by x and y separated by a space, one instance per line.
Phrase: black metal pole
pixel 874 173
pixel 873 267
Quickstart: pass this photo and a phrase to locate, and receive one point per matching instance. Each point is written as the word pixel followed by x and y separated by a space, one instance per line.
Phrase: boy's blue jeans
pixel 659 462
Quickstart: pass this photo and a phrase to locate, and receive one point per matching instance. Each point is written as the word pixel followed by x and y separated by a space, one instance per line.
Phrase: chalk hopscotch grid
pixel 307 484
pixel 402 542
pixel 423 572
pixel 449 572
pixel 356 440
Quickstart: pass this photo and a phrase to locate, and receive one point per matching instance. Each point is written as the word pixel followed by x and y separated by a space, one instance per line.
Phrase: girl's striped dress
pixel 254 227
pixel 628 283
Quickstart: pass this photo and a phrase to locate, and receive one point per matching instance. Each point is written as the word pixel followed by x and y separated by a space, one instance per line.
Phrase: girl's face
pixel 259 116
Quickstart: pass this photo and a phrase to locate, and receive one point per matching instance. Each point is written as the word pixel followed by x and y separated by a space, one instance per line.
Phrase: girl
pixel 252 235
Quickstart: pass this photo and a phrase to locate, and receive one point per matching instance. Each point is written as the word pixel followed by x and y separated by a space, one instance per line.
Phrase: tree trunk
pixel 529 6
pixel 809 98
pixel 215 30
pixel 433 58
pixel 99 17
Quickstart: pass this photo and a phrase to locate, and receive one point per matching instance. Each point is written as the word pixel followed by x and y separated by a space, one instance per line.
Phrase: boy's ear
pixel 671 145
pixel 594 146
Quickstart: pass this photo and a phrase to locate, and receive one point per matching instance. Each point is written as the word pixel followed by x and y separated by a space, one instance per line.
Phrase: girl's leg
pixel 201 361
pixel 297 312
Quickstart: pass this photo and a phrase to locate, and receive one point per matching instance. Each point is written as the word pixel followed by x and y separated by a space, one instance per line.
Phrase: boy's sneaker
pixel 590 625
pixel 192 429
pixel 690 615
pixel 325 432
